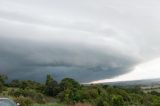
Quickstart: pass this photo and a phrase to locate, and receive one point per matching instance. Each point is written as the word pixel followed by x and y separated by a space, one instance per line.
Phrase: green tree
pixel 69 90
pixel 1 87
pixel 117 100
pixel 69 83
pixel 3 78
pixel 51 86
pixel 15 83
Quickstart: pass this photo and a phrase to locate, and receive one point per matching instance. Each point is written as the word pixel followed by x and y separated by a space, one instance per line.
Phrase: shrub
pixel 23 101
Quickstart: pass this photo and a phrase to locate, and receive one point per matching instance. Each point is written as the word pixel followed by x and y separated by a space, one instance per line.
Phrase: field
pixel 150 88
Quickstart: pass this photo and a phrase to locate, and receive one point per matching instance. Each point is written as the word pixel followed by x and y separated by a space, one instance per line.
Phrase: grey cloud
pixel 63 60
pixel 75 39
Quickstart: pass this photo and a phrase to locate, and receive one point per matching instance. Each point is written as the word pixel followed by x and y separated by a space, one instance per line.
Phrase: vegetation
pixel 70 93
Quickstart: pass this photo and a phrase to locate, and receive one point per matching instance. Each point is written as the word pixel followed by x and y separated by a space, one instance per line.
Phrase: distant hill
pixel 136 82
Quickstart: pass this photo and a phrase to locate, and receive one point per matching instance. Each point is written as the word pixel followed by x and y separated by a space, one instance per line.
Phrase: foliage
pixel 51 86
pixel 1 87
pixel 70 92
pixel 24 101
pixel 3 78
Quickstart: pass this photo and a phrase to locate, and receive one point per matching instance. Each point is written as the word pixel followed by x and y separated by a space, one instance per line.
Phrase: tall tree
pixel 3 78
pixel 51 86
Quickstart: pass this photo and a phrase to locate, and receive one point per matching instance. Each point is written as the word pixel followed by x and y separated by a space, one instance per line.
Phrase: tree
pixel 49 79
pixel 3 78
pixel 51 86
pixel 69 83
pixel 1 87
pixel 117 100
pixel 15 83
pixel 69 88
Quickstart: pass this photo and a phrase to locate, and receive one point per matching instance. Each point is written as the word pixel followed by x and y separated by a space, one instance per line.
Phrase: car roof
pixel 4 98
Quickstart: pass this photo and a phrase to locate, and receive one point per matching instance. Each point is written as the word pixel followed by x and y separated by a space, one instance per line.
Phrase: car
pixel 7 102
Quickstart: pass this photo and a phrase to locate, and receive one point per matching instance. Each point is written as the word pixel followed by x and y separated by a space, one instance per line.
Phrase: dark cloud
pixel 75 39
pixel 25 59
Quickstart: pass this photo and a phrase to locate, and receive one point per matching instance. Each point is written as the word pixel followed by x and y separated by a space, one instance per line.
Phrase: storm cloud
pixel 86 40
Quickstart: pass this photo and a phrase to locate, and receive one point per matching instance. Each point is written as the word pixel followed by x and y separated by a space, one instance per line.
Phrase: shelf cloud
pixel 85 40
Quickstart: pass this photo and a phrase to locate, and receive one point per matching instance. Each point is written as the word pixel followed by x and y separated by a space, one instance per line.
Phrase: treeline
pixel 70 92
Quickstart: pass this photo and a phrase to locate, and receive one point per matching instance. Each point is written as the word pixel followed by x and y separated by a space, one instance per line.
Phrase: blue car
pixel 7 102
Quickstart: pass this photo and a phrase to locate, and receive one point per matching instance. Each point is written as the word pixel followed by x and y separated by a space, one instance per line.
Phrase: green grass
pixel 49 104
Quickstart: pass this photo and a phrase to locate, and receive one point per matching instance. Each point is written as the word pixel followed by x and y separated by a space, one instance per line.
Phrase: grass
pixel 57 104
pixel 49 104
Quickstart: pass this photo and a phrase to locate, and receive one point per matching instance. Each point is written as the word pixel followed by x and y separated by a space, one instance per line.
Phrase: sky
pixel 148 70
pixel 88 40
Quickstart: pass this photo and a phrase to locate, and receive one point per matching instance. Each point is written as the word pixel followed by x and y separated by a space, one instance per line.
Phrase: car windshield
pixel 7 102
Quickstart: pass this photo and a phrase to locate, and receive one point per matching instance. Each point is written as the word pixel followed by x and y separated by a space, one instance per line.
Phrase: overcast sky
pixel 88 40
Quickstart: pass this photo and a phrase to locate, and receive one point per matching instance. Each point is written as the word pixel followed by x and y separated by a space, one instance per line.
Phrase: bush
pixel 32 94
pixel 82 104
pixel 23 101
pixel 117 100
pixel 1 87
